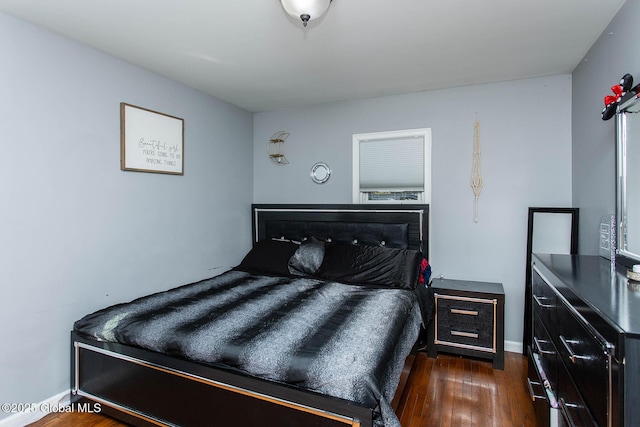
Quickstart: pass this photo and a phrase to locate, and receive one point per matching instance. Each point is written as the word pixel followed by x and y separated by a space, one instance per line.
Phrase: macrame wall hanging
pixel 476 173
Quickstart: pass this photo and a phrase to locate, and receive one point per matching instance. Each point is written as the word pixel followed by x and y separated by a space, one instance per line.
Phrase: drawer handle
pixel 567 416
pixel 464 334
pixel 538 301
pixel 467 312
pixel 534 396
pixel 572 354
pixel 538 349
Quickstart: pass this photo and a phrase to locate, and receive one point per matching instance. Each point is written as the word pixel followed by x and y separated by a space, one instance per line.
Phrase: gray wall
pixel 613 55
pixel 76 232
pixel 526 158
pixel 79 234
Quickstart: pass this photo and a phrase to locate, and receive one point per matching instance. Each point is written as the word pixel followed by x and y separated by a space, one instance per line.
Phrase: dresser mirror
pixel 628 182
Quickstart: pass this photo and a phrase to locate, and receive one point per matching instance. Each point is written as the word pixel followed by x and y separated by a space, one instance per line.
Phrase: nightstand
pixel 468 320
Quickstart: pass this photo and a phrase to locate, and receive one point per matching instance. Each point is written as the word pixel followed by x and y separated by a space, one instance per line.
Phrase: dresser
pixel 584 357
pixel 468 320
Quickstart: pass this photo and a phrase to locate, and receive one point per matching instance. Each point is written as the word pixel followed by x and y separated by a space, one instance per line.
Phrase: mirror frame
pixel 316 177
pixel 573 249
pixel 623 256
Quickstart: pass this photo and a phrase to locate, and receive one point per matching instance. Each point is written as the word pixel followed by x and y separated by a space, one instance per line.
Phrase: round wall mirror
pixel 320 173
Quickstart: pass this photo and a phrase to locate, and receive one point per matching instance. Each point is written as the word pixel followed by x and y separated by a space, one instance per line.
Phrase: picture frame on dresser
pixel 549 230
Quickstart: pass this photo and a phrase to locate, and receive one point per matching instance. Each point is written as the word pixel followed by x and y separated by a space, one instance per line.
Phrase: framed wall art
pixel 150 141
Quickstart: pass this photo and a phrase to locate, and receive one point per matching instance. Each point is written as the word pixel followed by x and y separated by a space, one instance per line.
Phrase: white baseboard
pixel 28 413
pixel 513 346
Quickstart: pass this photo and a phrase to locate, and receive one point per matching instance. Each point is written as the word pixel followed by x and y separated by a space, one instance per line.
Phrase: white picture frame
pixel 150 141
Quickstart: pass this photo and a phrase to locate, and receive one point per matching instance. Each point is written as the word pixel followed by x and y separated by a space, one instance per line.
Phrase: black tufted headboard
pixel 395 226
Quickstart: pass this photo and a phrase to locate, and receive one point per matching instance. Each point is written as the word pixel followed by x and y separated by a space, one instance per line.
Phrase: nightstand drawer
pixel 467 322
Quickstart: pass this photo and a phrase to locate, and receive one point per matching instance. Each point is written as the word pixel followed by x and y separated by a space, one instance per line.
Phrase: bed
pixel 313 328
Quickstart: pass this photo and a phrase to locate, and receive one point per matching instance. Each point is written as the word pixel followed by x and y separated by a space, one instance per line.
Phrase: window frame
pixel 424 133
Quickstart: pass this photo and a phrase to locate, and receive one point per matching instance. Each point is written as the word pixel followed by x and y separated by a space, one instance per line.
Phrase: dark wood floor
pixel 459 392
pixel 449 391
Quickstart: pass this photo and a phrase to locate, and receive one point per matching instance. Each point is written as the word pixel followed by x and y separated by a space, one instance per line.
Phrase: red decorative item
pixel 618 92
pixel 611 101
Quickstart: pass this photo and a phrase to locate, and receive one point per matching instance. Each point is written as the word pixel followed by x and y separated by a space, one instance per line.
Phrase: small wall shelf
pixel 276 147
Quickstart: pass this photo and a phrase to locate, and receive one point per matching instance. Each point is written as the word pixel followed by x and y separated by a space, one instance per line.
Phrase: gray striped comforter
pixel 341 340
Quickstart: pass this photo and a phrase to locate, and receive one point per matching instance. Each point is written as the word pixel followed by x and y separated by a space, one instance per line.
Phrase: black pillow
pixel 370 265
pixel 269 257
pixel 308 258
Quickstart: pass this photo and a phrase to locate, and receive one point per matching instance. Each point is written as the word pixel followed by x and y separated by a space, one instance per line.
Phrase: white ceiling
pixel 252 54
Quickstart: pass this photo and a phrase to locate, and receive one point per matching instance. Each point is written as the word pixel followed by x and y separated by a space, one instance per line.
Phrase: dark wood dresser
pixel 584 360
pixel 468 320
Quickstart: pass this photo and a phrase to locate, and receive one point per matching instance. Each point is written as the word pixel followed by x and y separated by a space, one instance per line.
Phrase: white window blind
pixel 392 164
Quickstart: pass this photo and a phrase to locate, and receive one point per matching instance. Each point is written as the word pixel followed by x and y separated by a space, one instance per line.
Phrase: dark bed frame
pixel 143 388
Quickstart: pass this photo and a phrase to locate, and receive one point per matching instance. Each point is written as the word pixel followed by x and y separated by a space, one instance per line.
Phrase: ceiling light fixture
pixel 307 10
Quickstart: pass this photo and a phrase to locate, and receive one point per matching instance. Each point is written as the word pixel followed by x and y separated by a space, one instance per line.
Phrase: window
pixel 392 167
